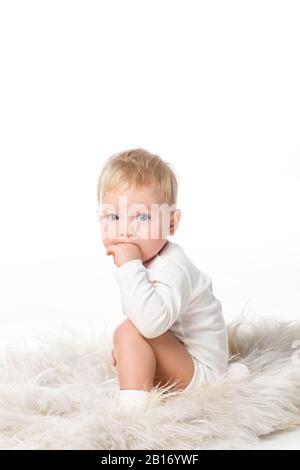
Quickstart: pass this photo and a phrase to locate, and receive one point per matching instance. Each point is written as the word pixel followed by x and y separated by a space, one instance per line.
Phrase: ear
pixel 174 220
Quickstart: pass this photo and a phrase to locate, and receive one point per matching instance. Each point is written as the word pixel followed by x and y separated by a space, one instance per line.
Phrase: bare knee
pixel 124 330
pixel 127 339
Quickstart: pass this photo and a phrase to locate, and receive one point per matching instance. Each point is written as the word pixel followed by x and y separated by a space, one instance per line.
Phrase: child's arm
pixel 154 306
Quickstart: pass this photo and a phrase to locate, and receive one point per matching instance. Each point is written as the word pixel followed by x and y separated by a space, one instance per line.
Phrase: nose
pixel 128 230
pixel 129 233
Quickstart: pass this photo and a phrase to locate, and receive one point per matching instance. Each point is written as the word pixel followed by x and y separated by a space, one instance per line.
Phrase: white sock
pixel 133 399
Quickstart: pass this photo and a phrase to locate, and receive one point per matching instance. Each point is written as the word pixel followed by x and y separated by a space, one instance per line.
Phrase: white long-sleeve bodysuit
pixel 170 293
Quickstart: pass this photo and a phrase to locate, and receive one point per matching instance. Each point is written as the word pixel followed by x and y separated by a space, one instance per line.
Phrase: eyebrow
pixel 112 210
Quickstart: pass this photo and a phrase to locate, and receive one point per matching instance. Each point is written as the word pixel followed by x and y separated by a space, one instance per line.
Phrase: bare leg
pixel 143 363
pixel 136 362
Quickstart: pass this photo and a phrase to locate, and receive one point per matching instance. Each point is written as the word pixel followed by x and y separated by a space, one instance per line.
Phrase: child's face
pixel 138 216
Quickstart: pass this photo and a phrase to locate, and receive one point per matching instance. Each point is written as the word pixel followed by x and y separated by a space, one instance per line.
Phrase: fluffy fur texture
pixel 61 395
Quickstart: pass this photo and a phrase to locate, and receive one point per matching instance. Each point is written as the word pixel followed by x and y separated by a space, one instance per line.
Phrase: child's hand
pixel 123 252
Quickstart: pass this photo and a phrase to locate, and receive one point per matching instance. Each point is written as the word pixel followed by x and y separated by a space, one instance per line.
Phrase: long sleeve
pixel 152 305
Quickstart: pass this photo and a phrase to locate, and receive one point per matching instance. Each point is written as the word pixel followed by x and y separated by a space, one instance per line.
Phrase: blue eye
pixel 114 217
pixel 108 215
pixel 146 215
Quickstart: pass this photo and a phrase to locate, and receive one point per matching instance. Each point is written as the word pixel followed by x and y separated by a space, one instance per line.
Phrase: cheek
pixel 108 236
pixel 150 248
pixel 155 230
pixel 109 231
pixel 142 229
pixel 103 228
pixel 152 230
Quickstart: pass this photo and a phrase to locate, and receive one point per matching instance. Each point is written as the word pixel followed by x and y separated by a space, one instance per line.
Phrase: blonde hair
pixel 138 168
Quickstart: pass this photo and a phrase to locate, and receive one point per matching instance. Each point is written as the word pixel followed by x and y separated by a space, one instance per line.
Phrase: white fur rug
pixel 60 395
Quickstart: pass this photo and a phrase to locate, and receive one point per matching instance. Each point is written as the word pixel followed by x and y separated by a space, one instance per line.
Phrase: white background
pixel 211 86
